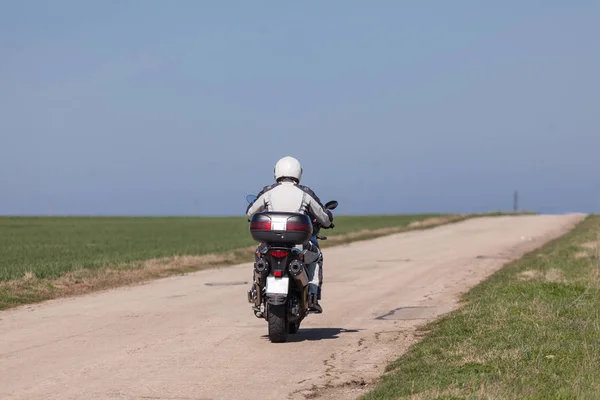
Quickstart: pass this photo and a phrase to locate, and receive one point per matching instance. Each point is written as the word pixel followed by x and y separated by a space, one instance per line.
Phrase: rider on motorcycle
pixel 287 195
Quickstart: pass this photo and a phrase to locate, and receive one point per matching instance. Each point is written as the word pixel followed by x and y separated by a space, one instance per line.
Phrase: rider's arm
pixel 260 203
pixel 316 209
pixel 257 206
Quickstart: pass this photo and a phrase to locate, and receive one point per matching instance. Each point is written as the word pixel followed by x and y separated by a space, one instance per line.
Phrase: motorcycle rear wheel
pixel 278 327
pixel 294 327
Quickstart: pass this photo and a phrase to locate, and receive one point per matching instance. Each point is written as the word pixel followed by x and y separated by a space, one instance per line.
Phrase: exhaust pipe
pixel 261 267
pixel 298 272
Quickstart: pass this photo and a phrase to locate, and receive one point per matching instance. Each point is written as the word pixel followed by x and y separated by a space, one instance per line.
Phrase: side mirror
pixel 251 198
pixel 331 205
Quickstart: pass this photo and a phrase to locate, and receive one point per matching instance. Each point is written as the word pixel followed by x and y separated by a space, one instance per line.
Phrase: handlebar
pixel 317 229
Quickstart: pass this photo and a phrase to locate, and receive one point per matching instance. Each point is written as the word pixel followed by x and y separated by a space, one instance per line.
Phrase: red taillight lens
pixel 260 225
pixel 298 227
pixel 277 274
pixel 279 253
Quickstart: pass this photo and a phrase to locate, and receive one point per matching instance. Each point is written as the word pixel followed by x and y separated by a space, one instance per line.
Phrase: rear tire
pixel 277 318
pixel 294 327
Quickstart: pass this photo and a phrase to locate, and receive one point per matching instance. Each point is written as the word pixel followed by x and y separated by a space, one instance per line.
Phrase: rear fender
pixel 276 299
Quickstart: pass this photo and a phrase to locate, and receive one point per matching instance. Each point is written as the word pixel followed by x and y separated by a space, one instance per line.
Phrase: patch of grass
pixel 47 257
pixel 51 247
pixel 531 331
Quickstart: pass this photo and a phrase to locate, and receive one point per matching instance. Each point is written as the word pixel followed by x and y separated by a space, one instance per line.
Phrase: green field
pixel 35 252
pixel 49 247
pixel 531 331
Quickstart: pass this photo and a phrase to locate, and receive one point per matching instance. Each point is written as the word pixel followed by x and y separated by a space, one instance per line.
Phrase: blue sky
pixel 155 107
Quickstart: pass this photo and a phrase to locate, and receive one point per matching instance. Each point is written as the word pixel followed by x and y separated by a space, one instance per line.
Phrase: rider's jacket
pixel 287 196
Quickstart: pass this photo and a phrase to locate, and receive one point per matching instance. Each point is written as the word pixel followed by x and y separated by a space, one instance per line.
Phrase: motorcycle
pixel 279 292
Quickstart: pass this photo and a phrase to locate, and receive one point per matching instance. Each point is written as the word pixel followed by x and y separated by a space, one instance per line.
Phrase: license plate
pixel 277 285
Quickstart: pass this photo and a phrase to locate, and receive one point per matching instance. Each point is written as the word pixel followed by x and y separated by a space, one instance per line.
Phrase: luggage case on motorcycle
pixel 281 228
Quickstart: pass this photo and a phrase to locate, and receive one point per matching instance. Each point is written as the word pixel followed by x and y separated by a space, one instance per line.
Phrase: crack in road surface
pixel 409 313
pixel 204 341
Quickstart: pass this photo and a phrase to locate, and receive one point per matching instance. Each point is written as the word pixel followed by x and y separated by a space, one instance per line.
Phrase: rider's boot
pixel 313 304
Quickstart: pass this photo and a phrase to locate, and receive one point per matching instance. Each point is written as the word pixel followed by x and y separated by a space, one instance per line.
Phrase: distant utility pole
pixel 516 201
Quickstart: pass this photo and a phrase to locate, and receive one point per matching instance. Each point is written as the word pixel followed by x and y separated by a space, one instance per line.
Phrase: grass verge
pixel 531 331
pixel 45 258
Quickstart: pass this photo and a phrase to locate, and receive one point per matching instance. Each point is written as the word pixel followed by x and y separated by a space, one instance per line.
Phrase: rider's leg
pixel 319 271
pixel 314 276
pixel 320 276
pixel 313 287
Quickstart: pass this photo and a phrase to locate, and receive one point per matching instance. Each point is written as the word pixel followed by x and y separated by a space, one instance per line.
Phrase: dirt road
pixel 195 337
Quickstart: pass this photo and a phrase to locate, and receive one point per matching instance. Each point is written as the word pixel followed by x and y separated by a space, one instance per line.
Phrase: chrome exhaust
pixel 298 272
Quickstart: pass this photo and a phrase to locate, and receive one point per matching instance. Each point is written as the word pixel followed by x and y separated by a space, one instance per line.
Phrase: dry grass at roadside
pixel 30 289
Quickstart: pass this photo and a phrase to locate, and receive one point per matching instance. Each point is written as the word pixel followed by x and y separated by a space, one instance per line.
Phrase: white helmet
pixel 288 167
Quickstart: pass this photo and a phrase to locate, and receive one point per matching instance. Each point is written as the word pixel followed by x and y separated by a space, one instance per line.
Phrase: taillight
pixel 298 227
pixel 277 273
pixel 279 253
pixel 260 225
